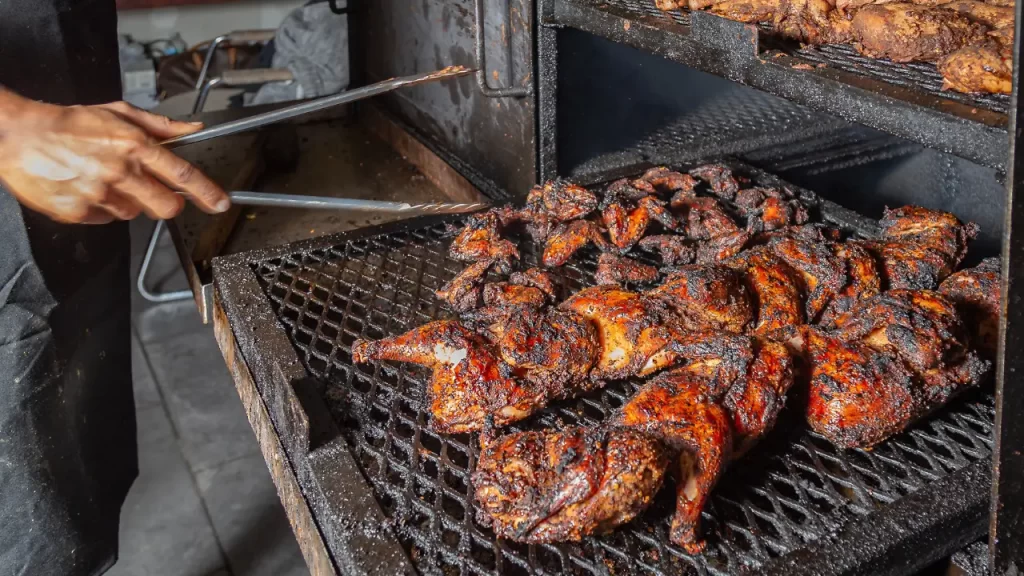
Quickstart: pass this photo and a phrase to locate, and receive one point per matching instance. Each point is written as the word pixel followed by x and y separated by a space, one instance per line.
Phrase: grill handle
pixel 481 73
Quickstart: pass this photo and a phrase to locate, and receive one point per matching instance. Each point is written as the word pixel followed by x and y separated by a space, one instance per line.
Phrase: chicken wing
pixel 705 218
pixel 673 249
pixel 979 68
pixel 625 227
pixel 567 239
pixel 536 278
pixel 463 293
pixel 617 270
pixel 552 486
pixel 720 178
pixel 976 294
pixel 562 201
pixel 481 239
pixel 468 384
pixel 665 181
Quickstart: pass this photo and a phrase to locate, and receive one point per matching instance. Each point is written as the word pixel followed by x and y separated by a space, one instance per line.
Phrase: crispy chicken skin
pixel 976 293
pixel 665 181
pixel 469 382
pixel 729 394
pixel 775 287
pixel 673 249
pixel 561 201
pixel 675 409
pixel 630 328
pixel 464 292
pixel 553 486
pixel 705 218
pixel 919 247
pixel 995 17
pixel 986 68
pixel 567 239
pixel 612 269
pixel 822 273
pixel 555 349
pixel 625 227
pixel 705 298
pixel 863 280
pixel 540 279
pixel 481 239
pixel 720 178
pixel 770 209
pixel 906 32
pixel 889 361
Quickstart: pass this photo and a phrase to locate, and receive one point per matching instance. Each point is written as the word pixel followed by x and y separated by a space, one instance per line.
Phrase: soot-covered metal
pixel 902 99
pixel 795 502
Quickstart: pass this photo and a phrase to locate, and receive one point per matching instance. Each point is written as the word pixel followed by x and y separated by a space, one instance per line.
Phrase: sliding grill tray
pixel 795 504
pixel 902 99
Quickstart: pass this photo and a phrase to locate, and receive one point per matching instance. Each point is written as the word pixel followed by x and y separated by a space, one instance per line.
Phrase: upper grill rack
pixel 903 99
pixel 793 489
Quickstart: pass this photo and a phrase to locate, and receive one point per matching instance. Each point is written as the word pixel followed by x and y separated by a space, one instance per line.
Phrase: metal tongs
pixel 303 108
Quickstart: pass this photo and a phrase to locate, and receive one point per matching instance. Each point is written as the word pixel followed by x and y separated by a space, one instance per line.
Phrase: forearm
pixel 11 107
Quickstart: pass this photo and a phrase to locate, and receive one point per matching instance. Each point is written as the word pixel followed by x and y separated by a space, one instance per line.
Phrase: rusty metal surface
pixel 490 139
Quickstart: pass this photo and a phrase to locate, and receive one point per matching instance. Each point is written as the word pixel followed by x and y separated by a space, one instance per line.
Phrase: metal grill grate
pixel 792 489
pixel 918 76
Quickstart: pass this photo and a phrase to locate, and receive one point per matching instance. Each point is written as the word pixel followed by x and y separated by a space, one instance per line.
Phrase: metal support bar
pixel 1006 529
pixel 157 297
pixel 481 72
pixel 236 37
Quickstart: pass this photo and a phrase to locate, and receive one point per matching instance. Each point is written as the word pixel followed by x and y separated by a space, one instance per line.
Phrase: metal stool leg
pixel 157 297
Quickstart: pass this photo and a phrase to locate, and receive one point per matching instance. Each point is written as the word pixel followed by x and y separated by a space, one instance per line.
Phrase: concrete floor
pixel 204 503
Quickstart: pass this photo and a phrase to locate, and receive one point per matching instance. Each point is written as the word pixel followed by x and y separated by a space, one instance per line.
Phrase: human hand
pixel 95 164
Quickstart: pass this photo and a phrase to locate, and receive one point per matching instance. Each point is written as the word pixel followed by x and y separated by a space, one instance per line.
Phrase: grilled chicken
pixel 775 287
pixel 631 328
pixel 464 292
pixel 612 269
pixel 625 226
pixel 707 298
pixel 469 382
pixel 673 249
pixel 721 248
pixel 561 201
pixel 705 218
pixel 976 294
pixel 770 209
pixel 537 278
pixel 919 247
pixel 985 68
pixel 863 280
pixel 566 239
pixel 554 349
pixel 727 396
pixel 889 361
pixel 995 17
pixel 553 486
pixel 720 178
pixel 906 32
pixel 481 239
pixel 823 274
pixel 665 181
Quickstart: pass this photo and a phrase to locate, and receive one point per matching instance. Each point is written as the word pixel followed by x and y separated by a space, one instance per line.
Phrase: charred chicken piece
pixel 675 408
pixel 720 178
pixel 920 247
pixel 822 273
pixel 616 270
pixel 705 218
pixel 553 486
pixel 891 360
pixel 631 329
pixel 775 288
pixel 561 201
pixel 666 181
pixel 995 17
pixel 468 384
pixel 481 239
pixel 568 238
pixel 554 349
pixel 537 278
pixel 906 32
pixel 707 298
pixel 673 249
pixel 463 293
pixel 625 227
pixel 770 209
pixel 729 394
pixel 976 294
pixel 721 248
pixel 863 280
pixel 508 296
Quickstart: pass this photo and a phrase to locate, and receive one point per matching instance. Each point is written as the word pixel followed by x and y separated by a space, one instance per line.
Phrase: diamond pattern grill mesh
pixel 918 76
pixel 791 489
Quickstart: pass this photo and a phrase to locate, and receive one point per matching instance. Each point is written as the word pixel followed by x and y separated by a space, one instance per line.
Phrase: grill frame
pixel 744 53
pixel 896 538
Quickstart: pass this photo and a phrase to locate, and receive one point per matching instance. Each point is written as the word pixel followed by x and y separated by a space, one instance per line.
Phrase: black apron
pixel 67 415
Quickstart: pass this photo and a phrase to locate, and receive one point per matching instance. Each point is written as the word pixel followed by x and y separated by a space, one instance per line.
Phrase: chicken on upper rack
pixel 971 40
